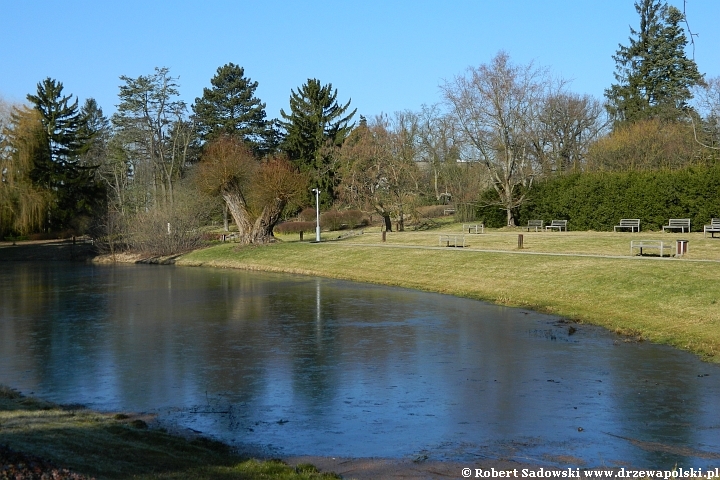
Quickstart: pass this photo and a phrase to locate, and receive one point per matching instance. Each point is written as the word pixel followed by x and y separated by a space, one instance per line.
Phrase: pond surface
pixel 302 365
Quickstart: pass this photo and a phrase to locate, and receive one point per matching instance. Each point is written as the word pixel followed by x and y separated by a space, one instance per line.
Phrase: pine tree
pixel 57 166
pixel 654 75
pixel 231 108
pixel 315 126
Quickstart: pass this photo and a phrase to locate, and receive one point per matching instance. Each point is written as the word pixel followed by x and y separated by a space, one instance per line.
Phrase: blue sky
pixel 384 55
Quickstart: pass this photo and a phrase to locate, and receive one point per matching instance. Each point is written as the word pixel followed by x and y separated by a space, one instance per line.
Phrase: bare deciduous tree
pixel 378 169
pixel 153 123
pixel 495 107
pixel 567 124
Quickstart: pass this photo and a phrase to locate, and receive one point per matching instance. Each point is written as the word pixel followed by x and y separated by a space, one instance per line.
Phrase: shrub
pixel 294 227
pixel 431 211
pixel 307 215
pixel 597 201
pixel 331 220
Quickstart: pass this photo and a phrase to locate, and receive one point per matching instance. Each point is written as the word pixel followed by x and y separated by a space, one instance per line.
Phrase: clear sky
pixel 385 55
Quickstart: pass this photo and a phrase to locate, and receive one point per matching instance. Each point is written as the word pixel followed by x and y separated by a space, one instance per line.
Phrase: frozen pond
pixel 302 365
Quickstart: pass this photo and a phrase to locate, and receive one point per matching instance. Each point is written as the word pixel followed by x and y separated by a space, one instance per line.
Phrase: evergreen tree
pixel 314 128
pixel 230 108
pixel 57 165
pixel 653 73
pixel 95 128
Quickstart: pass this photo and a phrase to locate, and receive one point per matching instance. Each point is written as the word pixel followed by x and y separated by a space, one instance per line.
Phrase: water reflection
pixel 308 365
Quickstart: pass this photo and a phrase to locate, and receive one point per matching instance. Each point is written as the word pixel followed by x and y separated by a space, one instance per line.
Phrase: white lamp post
pixel 317 213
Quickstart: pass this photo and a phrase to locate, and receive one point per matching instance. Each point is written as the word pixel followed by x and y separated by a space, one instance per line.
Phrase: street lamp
pixel 317 213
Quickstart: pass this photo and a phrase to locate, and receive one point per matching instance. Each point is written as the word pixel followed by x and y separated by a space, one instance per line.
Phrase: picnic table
pixel 452 240
pixel 474 226
pixel 645 244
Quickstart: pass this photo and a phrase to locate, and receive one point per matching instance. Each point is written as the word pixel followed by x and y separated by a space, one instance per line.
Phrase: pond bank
pixel 671 302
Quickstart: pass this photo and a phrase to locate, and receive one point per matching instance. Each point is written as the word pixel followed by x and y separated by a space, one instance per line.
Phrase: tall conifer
pixel 654 76
pixel 230 108
pixel 315 125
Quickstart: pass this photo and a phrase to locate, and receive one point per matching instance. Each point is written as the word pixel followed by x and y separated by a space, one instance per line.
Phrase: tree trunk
pixel 236 204
pixel 262 231
pixel 225 218
pixel 510 218
pixel 388 222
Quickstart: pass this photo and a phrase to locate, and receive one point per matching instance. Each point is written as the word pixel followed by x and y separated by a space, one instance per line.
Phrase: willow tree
pixel 23 205
pixel 256 192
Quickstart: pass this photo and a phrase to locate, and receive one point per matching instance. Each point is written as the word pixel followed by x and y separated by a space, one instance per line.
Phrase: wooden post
pixel 301 235
pixel 384 234
pixel 520 241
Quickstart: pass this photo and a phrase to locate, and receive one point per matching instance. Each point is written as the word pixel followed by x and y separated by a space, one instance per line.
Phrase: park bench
pixel 645 244
pixel 452 240
pixel 559 224
pixel 713 228
pixel 478 227
pixel 632 223
pixel 677 224
pixel 535 224
pixel 448 211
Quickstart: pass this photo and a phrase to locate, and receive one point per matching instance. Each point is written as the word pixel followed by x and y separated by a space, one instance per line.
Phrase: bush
pixel 294 227
pixel 432 211
pixel 307 215
pixel 169 230
pixel 597 201
pixel 355 218
pixel 339 219
pixel 331 220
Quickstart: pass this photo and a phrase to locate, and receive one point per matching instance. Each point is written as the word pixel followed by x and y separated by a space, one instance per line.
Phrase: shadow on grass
pixel 120 446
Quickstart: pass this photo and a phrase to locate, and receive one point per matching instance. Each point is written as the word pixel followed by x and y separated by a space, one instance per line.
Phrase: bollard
pixel 301 235
pixel 384 233
pixel 520 241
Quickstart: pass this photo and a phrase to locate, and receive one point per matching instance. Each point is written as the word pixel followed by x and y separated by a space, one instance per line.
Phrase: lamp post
pixel 317 213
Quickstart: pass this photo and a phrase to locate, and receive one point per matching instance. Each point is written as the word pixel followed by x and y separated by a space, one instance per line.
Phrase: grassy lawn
pixel 670 301
pixel 119 446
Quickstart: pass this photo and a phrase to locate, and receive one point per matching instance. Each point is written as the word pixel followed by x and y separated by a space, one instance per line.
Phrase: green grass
pixel 120 446
pixel 668 301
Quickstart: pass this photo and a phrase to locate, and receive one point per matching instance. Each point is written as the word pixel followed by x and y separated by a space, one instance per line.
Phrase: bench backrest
pixel 715 222
pixel 535 223
pixel 679 222
pixel 556 223
pixel 630 222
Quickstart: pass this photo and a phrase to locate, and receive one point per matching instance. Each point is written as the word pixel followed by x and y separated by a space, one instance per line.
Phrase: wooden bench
pixel 559 224
pixel 655 244
pixel 535 224
pixel 677 224
pixel 452 240
pixel 632 223
pixel 713 228
pixel 474 226
pixel 448 211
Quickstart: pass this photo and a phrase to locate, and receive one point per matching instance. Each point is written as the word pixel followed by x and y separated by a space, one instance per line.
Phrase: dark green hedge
pixel 597 201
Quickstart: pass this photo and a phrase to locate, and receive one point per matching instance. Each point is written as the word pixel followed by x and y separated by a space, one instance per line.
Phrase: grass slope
pixel 119 446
